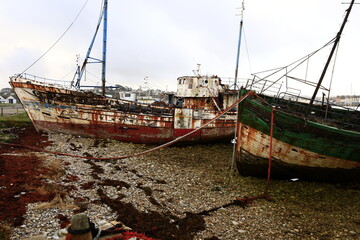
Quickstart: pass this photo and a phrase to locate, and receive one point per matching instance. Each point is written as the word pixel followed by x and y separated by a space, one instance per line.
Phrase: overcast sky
pixel 162 39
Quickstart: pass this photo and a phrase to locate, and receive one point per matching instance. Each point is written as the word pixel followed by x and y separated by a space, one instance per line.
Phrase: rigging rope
pixel 331 79
pixel 295 64
pixel 56 40
pixel 247 50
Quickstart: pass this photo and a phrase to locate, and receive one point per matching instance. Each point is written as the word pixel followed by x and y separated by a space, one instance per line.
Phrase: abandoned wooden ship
pixel 300 137
pixel 55 108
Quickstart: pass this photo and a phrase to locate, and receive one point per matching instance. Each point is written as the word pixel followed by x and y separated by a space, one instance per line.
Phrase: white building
pixel 11 99
pixel 129 96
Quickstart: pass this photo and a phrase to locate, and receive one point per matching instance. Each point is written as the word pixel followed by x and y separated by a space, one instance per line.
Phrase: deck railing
pixel 290 100
pixel 46 80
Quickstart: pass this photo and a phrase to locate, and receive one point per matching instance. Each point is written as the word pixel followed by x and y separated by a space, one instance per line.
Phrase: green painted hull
pixel 301 147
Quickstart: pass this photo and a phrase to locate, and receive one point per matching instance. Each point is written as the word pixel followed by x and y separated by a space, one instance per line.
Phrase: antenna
pixel 146 85
pixel 146 81
pixel 77 73
pixel 197 70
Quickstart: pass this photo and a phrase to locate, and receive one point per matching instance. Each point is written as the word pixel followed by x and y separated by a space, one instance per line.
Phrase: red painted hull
pixel 147 135
pixel 55 109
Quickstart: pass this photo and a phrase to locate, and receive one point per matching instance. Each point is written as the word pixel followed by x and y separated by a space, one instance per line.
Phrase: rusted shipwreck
pixel 292 136
pixel 199 99
pixel 71 110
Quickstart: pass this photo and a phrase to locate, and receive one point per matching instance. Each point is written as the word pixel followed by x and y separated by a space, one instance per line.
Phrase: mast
pixel 103 72
pixel 80 73
pixel 239 44
pixel 336 42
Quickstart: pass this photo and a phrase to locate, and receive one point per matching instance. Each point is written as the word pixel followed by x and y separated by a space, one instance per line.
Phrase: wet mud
pixel 22 175
pixel 300 210
pixel 165 226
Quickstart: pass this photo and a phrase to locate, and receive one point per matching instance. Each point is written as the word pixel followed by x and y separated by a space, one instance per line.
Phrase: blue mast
pixel 80 73
pixel 239 44
pixel 103 72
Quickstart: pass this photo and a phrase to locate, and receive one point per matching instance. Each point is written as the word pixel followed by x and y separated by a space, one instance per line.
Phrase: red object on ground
pixel 20 176
pixel 129 235
pixel 122 236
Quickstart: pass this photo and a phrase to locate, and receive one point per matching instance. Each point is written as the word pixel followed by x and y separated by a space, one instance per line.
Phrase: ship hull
pixel 299 148
pixel 54 109
pixel 135 134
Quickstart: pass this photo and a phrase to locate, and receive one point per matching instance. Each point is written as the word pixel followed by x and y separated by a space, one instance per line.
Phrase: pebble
pixel 63 232
pixel 188 183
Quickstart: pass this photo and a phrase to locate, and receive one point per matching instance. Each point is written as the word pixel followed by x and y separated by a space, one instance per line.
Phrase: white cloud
pixel 166 39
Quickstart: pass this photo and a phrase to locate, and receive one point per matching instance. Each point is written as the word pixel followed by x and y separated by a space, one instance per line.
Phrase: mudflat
pixel 161 193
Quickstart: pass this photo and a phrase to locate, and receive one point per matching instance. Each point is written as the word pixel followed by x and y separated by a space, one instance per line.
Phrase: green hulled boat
pixel 302 137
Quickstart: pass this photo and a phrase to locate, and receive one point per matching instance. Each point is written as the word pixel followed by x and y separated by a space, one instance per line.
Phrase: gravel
pixel 176 183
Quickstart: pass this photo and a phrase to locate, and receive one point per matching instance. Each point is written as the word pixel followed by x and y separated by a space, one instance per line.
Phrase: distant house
pixel 7 95
pixel 130 96
pixel 11 99
pixel 348 100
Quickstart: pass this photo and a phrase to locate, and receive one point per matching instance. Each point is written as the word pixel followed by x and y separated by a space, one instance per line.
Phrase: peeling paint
pixel 300 147
pixel 56 109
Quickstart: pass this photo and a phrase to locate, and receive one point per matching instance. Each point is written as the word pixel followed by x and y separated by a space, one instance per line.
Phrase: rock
pixel 62 232
pixel 80 222
pixel 222 209
pixel 352 232
pixel 115 222
pixel 39 237
pixel 102 222
pixel 216 188
pixel 235 223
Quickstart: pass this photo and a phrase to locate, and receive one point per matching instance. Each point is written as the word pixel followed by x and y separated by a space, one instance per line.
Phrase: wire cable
pixel 56 40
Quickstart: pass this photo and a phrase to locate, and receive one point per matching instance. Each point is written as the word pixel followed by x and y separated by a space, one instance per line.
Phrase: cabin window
pixel 127 95
pixel 191 81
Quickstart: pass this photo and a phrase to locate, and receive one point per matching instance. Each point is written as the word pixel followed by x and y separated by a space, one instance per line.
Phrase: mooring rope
pixel 245 201
pixel 141 153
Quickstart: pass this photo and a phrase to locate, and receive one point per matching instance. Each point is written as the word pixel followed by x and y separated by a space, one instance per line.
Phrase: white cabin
pixel 129 96
pixel 199 86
